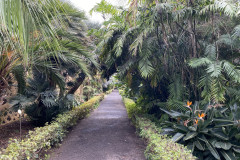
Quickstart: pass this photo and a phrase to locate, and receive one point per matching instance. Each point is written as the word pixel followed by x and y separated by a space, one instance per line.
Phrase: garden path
pixel 105 135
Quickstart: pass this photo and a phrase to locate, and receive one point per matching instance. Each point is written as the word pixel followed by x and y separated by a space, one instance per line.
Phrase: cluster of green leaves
pixel 172 51
pixel 131 107
pixel 92 87
pixel 210 132
pixel 109 91
pixel 43 45
pixel 46 38
pixel 159 146
pixel 43 138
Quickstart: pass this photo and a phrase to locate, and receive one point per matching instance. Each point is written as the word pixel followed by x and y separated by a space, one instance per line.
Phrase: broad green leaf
pixel 202 138
pixel 218 144
pixel 212 150
pixel 236 149
pixel 228 155
pixel 177 137
pixel 224 124
pixel 190 135
pixel 226 145
pixel 199 145
pixel 206 123
pixel 222 120
pixel 220 135
pixel 210 147
pixel 181 128
pixel 174 114
pixel 191 128
pixel 204 130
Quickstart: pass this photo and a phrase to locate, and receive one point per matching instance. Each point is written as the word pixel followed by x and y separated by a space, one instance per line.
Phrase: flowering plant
pixel 210 131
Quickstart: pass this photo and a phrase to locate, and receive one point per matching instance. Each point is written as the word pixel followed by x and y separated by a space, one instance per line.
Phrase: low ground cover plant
pixel 43 138
pixel 159 147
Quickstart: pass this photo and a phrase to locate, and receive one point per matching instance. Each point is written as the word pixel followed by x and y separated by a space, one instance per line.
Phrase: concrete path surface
pixel 105 135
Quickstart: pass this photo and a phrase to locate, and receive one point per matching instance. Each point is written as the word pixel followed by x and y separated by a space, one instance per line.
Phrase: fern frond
pixel 176 90
pixel 225 39
pixel 200 62
pixel 226 7
pixel 214 69
pixel 231 71
pixel 145 68
pixel 210 51
pixel 136 46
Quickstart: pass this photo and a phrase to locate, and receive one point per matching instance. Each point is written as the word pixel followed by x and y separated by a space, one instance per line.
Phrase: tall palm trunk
pixel 78 83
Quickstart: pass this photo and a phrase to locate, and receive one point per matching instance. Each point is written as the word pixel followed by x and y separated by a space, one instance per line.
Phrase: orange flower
pixel 196 121
pixel 188 105
pixel 201 115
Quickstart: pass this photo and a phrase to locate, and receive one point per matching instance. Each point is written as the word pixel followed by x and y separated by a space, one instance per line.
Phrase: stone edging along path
pixel 105 135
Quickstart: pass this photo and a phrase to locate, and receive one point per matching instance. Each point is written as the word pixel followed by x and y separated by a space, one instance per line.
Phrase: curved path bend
pixel 105 135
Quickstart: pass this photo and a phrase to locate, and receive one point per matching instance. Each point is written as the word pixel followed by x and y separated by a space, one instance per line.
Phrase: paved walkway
pixel 105 135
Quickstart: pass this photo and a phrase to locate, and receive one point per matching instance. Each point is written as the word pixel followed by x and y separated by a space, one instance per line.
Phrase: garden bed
pixel 43 138
pixel 158 146
pixel 12 130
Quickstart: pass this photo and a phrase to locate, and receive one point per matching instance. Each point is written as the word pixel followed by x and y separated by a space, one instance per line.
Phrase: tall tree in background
pixel 158 53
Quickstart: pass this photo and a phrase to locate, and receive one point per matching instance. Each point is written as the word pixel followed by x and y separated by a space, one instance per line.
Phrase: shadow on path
pixel 105 135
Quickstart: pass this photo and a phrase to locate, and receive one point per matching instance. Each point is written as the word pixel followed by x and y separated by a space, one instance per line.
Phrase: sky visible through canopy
pixel 87 5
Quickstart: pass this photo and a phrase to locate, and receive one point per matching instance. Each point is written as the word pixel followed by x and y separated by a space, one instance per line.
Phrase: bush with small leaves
pixel 42 138
pixel 159 147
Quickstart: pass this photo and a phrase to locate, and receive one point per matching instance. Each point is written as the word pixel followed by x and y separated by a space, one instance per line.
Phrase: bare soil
pixel 12 130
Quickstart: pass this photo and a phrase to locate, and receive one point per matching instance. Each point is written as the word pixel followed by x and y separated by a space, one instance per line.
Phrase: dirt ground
pixel 105 135
pixel 12 130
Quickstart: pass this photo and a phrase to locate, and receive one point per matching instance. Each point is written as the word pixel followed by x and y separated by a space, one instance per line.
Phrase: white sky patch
pixel 87 5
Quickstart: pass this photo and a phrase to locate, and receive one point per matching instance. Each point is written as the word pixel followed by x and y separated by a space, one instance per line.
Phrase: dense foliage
pixel 209 131
pixel 43 138
pixel 168 52
pixel 159 146
pixel 46 53
pixel 174 51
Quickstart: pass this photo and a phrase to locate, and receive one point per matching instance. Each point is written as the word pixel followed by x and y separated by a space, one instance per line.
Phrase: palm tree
pixel 65 52
pixel 154 52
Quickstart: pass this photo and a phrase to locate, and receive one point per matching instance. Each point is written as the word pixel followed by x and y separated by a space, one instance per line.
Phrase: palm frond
pixel 231 71
pixel 214 69
pixel 145 67
pixel 199 62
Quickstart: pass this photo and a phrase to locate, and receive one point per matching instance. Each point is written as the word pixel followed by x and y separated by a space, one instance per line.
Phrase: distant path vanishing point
pixel 105 135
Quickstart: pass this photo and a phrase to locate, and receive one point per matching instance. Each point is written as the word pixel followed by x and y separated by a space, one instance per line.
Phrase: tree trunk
pixel 191 29
pixel 77 84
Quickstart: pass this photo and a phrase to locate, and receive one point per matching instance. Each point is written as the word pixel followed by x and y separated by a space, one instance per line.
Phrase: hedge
pixel 109 91
pixel 42 138
pixel 159 147
pixel 131 108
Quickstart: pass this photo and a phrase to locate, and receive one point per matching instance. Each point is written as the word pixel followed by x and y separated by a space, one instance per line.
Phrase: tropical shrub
pixel 131 107
pixel 47 56
pixel 170 51
pixel 211 132
pixel 40 101
pixel 159 146
pixel 109 91
pixel 43 138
